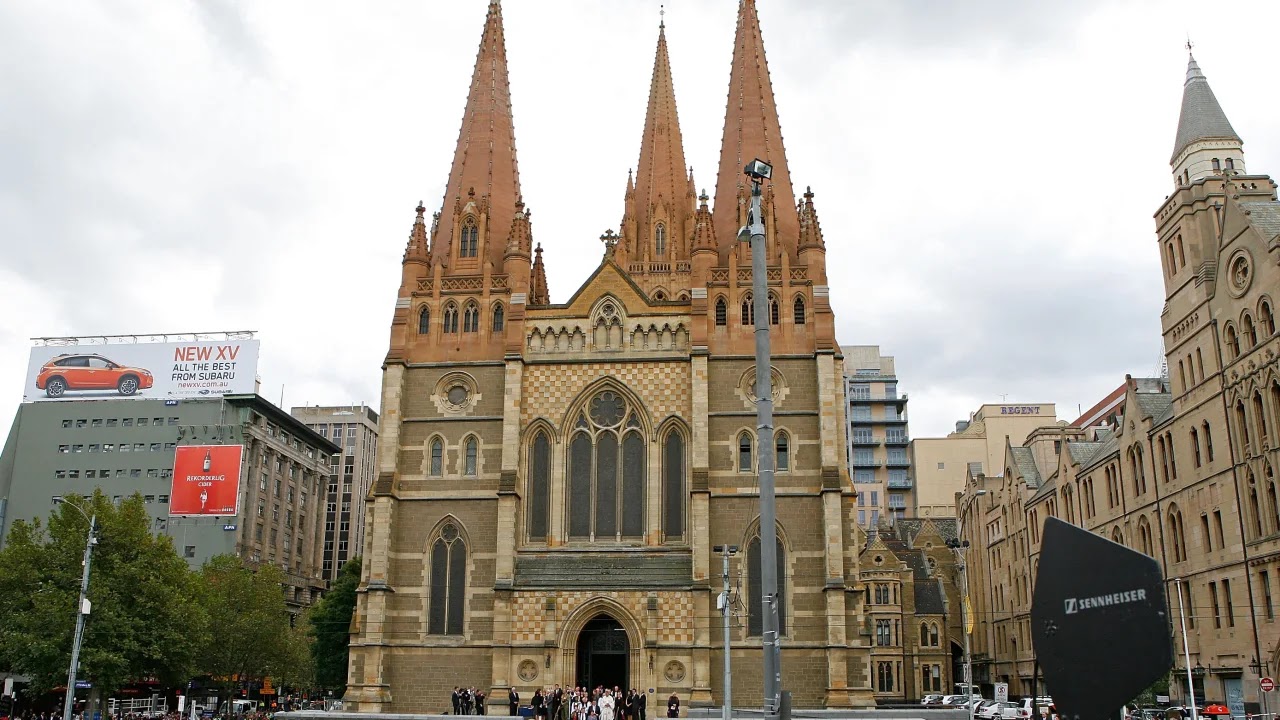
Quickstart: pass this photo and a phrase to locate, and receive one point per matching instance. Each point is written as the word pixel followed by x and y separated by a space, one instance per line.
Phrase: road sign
pixel 1002 692
pixel 1267 684
pixel 1092 597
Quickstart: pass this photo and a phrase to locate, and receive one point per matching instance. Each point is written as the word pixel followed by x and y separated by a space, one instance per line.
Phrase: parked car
pixel 1029 708
pixel 931 700
pixel 954 699
pixel 90 372
pixel 999 710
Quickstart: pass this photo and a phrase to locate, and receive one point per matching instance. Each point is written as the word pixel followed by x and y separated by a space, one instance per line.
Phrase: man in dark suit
pixel 456 698
pixel 641 703
pixel 513 699
pixel 557 697
pixel 466 701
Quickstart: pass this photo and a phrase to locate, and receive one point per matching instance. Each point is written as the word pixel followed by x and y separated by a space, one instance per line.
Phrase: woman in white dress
pixel 606 706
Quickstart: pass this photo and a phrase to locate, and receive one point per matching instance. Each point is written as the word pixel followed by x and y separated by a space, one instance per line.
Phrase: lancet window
pixel 607 471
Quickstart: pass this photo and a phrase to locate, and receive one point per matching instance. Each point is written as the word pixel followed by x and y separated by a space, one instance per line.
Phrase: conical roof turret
pixel 1202 117
pixel 485 158
pixel 752 130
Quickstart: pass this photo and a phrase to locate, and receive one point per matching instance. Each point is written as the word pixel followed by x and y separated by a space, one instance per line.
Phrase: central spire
pixel 660 207
pixel 484 162
pixel 752 130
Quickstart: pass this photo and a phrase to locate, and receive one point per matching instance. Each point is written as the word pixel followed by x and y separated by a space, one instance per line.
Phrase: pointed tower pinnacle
pixel 661 207
pixel 538 293
pixel 417 246
pixel 752 130
pixel 1205 137
pixel 485 158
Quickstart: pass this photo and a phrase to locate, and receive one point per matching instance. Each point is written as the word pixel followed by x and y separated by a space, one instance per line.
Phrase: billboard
pixel 206 480
pixel 146 370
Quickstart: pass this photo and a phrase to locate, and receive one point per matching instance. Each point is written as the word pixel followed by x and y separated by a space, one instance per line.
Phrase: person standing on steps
pixel 513 699
pixel 673 706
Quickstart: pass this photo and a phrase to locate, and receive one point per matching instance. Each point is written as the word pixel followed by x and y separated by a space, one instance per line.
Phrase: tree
pixel 251 638
pixel 330 621
pixel 146 616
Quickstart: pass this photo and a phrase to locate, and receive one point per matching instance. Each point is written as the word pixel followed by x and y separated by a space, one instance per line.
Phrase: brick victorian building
pixel 1181 468
pixel 552 477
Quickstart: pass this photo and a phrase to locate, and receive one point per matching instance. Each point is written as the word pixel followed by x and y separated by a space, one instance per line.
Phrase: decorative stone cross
pixel 610 240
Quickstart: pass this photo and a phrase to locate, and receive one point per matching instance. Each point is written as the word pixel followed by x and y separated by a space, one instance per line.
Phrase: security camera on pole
pixel 758 171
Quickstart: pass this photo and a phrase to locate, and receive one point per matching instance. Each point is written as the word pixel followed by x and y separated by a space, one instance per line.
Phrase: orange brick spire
pixel 485 159
pixel 661 205
pixel 752 130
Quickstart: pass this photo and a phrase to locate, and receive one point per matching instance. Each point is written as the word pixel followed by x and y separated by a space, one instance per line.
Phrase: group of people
pixel 467 701
pixel 582 704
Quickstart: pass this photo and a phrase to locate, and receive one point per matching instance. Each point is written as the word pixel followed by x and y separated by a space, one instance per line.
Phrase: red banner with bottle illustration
pixel 206 480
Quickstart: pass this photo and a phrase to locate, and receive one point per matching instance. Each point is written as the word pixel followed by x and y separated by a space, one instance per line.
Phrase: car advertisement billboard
pixel 196 369
pixel 206 480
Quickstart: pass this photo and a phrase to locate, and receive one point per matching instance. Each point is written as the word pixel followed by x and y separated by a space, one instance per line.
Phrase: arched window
pixel 797 310
pixel 499 318
pixel 1242 423
pixel 1255 509
pixel 660 296
pixel 1275 399
pixel 1260 420
pixel 673 487
pixel 471 451
pixel 1173 259
pixel 451 318
pixel 607 471
pixel 1173 457
pixel 1271 495
pixel 774 317
pixel 1249 331
pixel 437 457
pixel 1217 165
pixel 1195 446
pixel 748 310
pixel 1233 342
pixel 746 460
pixel 446 600
pixel 1118 537
pixel 469 247
pixel 755 616
pixel 1176 536
pixel 924 634
pixel 782 455
pixel 934 640
pixel 1266 319
pixel 884 677
pixel 537 518
pixel 424 320
pixel 471 318
pixel 1182 257
pixel 1208 442
pixel 722 312
pixel 660 239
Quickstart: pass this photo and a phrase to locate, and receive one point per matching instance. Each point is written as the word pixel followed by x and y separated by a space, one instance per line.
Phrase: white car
pixel 931 700
pixel 1028 710
pixel 996 710
pixel 955 699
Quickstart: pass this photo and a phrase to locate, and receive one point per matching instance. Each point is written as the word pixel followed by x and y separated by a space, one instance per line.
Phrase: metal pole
pixel 1186 648
pixel 728 671
pixel 80 613
pixel 967 609
pixel 764 460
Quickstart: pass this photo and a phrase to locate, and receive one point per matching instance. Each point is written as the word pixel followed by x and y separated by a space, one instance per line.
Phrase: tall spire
pixel 485 159
pixel 751 130
pixel 416 249
pixel 1202 117
pixel 661 192
pixel 538 291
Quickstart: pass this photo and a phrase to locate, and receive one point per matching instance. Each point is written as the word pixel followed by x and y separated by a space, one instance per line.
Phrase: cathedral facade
pixel 553 476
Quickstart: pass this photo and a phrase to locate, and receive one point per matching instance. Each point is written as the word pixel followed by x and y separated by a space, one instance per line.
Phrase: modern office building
pixel 877 437
pixel 125 446
pixel 354 429
pixel 939 465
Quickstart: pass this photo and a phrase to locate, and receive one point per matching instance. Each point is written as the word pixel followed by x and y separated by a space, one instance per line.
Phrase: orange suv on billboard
pixel 90 372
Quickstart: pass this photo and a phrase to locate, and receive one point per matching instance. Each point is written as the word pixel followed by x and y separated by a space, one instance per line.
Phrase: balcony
pixel 863 420
pixel 899 484
pixel 897 440
pixel 867 463
pixel 865 441
pixel 897 463
pixel 892 421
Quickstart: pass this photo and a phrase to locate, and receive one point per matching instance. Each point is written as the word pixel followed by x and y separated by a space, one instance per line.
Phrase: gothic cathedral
pixel 553 476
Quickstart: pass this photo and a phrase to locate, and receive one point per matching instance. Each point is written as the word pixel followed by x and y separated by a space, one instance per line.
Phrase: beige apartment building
pixel 877 438
pixel 354 429
pixel 1183 469
pixel 939 465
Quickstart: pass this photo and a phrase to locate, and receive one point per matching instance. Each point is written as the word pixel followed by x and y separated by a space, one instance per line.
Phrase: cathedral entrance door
pixel 603 654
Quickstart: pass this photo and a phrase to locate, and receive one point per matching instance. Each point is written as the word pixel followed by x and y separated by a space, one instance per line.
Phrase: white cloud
pixel 985 178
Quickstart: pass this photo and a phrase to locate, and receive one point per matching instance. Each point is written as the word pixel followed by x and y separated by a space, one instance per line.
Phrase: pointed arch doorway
pixel 603 654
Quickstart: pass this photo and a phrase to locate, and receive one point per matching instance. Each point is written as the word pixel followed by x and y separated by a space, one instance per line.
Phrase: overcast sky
pixel 985 171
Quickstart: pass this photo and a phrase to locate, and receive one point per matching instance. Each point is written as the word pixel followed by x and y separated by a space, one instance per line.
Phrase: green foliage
pixel 330 621
pixel 251 637
pixel 146 618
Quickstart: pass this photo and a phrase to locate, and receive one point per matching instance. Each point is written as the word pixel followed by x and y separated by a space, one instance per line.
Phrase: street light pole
pixel 82 609
pixel 759 171
pixel 725 552
pixel 1186 647
pixel 966 608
